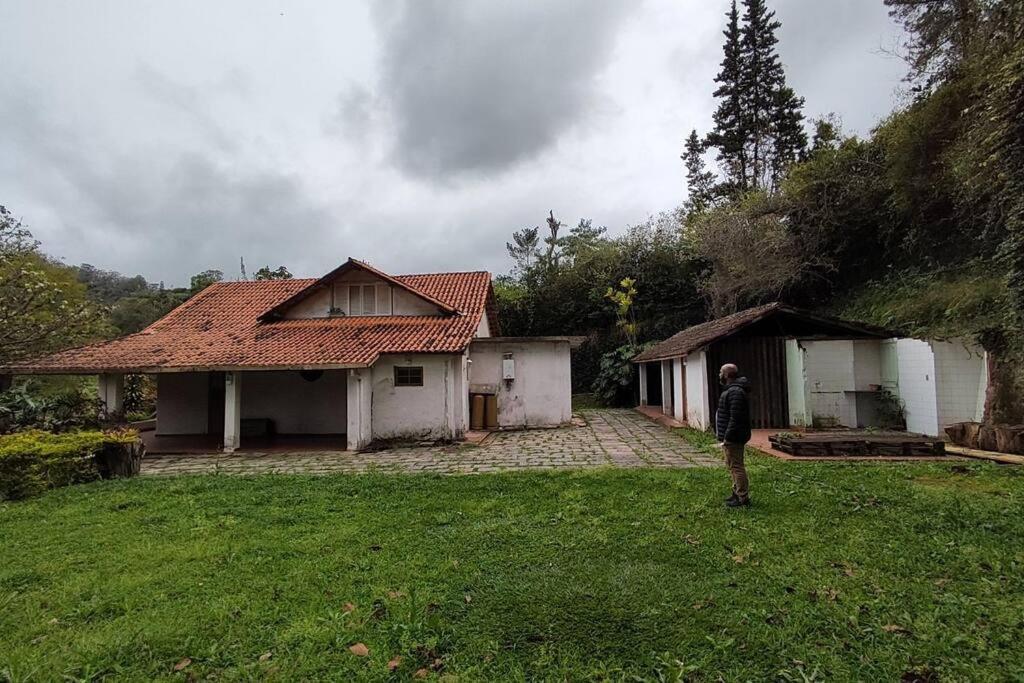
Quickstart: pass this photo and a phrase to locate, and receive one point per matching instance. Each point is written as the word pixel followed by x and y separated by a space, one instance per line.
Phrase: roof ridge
pixel 446 272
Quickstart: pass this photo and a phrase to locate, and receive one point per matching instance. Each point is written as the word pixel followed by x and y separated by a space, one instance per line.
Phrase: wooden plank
pixel 1004 458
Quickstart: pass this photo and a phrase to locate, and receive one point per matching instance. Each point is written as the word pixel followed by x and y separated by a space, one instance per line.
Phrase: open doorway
pixel 653 371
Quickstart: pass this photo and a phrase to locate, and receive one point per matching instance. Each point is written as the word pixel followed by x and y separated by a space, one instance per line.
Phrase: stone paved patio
pixel 619 438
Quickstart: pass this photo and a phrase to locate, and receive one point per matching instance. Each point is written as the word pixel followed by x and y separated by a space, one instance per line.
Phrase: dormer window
pixel 362 300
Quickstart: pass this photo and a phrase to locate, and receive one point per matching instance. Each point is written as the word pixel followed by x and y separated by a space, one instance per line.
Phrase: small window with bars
pixel 408 376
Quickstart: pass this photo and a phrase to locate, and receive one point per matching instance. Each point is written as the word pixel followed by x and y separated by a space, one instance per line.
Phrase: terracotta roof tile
pixel 219 329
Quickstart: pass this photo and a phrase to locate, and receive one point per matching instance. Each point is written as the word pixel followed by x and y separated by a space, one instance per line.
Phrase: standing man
pixel 732 426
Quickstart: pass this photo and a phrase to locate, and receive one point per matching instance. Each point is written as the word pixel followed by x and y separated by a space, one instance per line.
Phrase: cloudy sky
pixel 164 138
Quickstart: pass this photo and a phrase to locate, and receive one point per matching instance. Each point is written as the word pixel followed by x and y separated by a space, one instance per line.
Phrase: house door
pixel 653 383
pixel 762 360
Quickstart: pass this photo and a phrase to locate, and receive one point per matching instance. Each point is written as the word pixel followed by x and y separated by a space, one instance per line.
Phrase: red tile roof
pixel 219 328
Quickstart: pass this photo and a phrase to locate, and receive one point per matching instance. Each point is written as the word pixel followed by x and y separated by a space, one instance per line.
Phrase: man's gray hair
pixel 729 371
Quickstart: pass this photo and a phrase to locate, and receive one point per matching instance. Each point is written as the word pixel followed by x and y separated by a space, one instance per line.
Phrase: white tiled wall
pixel 917 385
pixel 829 369
pixel 960 374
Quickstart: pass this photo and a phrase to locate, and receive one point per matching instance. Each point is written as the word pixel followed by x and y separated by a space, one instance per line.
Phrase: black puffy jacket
pixel 732 421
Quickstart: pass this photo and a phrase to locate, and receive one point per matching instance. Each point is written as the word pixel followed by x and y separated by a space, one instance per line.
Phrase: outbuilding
pixel 810 370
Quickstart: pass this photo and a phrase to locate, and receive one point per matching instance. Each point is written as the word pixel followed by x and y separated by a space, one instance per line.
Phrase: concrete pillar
pixel 797 390
pixel 643 383
pixel 678 390
pixel 111 392
pixel 232 411
pixel 666 386
pixel 359 433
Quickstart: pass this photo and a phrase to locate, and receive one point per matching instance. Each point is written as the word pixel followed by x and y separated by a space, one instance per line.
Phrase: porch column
pixel 111 391
pixel 666 387
pixel 360 392
pixel 643 383
pixel 679 390
pixel 232 411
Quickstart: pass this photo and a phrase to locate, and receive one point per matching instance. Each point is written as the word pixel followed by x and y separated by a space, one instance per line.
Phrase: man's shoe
pixel 731 499
pixel 735 502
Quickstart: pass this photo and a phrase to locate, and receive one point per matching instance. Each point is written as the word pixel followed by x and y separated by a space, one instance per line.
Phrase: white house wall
pixel 182 403
pixel 407 303
pixel 297 406
pixel 427 412
pixel 698 411
pixel 917 385
pixel 541 393
pixel 390 300
pixel 484 328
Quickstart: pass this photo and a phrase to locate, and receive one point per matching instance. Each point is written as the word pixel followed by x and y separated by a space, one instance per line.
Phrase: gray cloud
pixel 477 86
pixel 305 137
pixel 162 216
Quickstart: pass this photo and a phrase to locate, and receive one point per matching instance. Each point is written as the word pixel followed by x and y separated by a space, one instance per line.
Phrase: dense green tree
pixel 569 296
pixel 826 133
pixel 280 273
pixel 201 281
pixel 107 286
pixel 944 34
pixel 136 312
pixel 43 306
pixel 524 248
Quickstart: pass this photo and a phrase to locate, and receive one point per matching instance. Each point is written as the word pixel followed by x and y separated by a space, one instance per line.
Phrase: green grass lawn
pixel 839 572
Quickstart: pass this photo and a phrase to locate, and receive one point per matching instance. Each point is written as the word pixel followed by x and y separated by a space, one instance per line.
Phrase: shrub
pixel 613 385
pixel 23 406
pixel 33 461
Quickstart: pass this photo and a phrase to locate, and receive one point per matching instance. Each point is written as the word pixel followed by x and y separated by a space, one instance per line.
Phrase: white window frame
pixel 357 299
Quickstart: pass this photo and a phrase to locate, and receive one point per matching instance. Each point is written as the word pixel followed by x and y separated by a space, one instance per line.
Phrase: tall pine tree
pixel 699 181
pixel 788 134
pixel 759 125
pixel 729 135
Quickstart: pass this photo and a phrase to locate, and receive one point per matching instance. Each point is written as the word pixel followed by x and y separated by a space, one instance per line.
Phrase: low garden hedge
pixel 33 461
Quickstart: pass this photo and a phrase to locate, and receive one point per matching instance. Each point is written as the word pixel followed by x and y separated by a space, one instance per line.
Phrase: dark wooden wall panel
pixel 762 360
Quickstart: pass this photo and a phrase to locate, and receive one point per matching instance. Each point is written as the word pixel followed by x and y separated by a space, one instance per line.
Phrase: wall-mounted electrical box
pixel 508 367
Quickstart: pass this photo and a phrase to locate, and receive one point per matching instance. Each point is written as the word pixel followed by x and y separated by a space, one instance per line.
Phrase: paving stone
pixel 598 438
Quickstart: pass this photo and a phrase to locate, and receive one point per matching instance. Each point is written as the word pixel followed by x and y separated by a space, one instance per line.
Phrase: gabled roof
pixel 350 265
pixel 220 329
pixel 790 322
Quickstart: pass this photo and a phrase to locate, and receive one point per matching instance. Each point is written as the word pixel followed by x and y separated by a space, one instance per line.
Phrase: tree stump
pixel 117 460
pixel 957 432
pixel 987 438
pixel 972 431
pixel 1010 439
